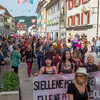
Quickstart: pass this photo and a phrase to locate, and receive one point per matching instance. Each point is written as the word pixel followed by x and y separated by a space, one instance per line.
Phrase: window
pixel 56 8
pixel 76 20
pixel 85 18
pixel 57 19
pixel 70 3
pixel 43 16
pixel 50 11
pixel 43 26
pixel 50 22
pixel 77 2
pixel 70 20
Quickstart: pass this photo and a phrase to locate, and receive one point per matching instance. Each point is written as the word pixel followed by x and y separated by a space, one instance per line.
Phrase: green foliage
pixel 10 82
pixel 9 37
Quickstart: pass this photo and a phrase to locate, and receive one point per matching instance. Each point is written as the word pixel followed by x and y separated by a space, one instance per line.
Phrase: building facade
pixel 5 27
pixel 82 18
pixel 53 19
pixel 32 30
pixel 1 22
pixel 42 17
pixel 56 19
pixel 21 29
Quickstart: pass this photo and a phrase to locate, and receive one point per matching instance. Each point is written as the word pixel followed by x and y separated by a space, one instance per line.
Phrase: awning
pixel 80 27
pixel 4 32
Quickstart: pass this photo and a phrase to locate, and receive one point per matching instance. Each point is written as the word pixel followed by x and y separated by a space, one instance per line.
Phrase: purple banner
pixel 54 87
pixel 51 87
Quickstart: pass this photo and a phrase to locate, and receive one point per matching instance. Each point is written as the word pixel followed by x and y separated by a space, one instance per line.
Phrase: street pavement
pixel 26 83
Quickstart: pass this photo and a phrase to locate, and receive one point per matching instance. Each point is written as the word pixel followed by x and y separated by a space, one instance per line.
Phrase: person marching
pixel 79 89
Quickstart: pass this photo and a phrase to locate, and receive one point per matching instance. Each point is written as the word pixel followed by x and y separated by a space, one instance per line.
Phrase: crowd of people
pixel 55 57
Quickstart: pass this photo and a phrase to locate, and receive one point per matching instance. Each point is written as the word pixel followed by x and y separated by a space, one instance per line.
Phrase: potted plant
pixel 10 86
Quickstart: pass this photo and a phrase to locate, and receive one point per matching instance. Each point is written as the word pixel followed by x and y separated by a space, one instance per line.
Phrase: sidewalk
pixel 26 83
pixel 4 69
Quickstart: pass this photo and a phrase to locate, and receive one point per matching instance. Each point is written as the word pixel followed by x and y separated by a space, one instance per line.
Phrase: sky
pixel 23 9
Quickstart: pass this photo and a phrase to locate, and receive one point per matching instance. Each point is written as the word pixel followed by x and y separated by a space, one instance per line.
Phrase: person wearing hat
pixel 79 89
pixel 15 56
pixel 90 66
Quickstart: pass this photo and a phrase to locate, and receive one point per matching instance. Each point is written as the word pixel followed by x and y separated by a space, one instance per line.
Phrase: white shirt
pixel 97 43
pixel 10 48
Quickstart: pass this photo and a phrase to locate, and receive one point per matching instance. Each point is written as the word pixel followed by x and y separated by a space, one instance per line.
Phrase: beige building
pixel 42 17
pixel 5 27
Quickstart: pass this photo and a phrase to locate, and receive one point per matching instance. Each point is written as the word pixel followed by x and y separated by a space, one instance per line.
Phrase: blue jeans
pixel 5 54
pixel 39 60
pixel 97 50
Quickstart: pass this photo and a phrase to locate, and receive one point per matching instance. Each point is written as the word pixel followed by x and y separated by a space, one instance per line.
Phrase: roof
pixel 6 11
pixel 51 3
pixel 39 5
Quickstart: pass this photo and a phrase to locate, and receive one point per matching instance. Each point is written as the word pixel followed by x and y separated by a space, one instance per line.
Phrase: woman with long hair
pixel 65 66
pixel 76 59
pixel 57 56
pixel 29 58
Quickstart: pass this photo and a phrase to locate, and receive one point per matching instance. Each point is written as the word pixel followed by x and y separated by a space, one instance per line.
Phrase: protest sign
pixel 51 87
pixel 54 87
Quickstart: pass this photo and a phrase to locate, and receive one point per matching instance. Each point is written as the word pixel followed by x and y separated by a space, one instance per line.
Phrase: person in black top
pixel 48 68
pixel 29 59
pixel 79 90
pixel 90 66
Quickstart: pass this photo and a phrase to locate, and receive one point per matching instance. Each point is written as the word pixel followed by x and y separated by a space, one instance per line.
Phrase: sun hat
pixel 81 70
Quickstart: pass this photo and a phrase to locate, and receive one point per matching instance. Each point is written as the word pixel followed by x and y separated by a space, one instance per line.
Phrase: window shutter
pixel 68 21
pixel 82 1
pixel 79 2
pixel 68 4
pixel 78 19
pixel 81 18
pixel 88 17
pixel 72 3
pixel 74 20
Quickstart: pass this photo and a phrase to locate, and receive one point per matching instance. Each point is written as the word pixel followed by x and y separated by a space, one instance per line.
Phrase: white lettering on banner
pixel 96 94
pixel 97 80
pixel 54 87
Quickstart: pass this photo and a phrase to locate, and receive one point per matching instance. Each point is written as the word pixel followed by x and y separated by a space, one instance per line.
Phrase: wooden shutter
pixel 68 4
pixel 74 19
pixel 88 17
pixel 79 2
pixel 68 21
pixel 81 18
pixel 82 1
pixel 78 19
pixel 72 3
